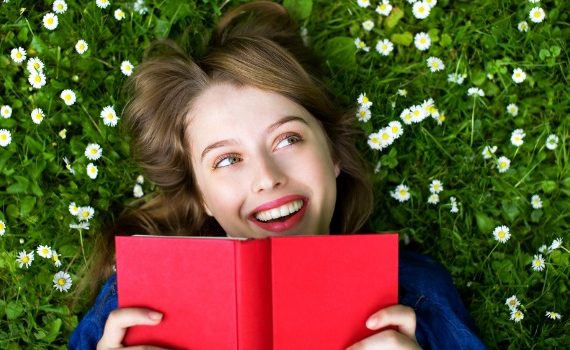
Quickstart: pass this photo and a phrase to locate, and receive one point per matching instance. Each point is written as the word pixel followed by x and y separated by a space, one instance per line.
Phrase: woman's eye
pixel 226 161
pixel 289 140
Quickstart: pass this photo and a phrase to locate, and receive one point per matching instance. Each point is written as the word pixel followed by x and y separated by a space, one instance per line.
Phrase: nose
pixel 267 174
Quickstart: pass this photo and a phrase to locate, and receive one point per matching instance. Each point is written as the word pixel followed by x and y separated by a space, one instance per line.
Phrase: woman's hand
pixel 120 320
pixel 401 335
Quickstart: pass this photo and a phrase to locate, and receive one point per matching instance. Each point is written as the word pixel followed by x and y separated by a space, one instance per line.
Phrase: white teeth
pixel 276 213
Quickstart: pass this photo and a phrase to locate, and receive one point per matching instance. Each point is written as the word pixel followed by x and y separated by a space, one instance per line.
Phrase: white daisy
pixel 431 3
pixel 454 208
pixel 374 141
pixel 55 257
pixel 512 302
pixel 368 25
pixel 403 92
pixel 37 115
pixel 456 78
pixel 517 315
pixel 553 315
pixel 384 47
pixel 140 179
pixel 512 109
pixel 522 26
pixel 536 202
pixel 81 46
pixel 44 251
pixel 475 91
pixel 501 233
pixel 73 209
pixel 538 263
pixel 127 68
pixel 139 7
pixel 25 259
pixel 435 64
pixel 68 97
pixel 517 137
pixel 68 165
pixel 59 6
pixel 436 186
pixel 109 116
pixel 6 111
pixel 18 55
pixel 361 45
pixel 384 8
pixel 93 151
pixel 543 249
pixel 62 281
pixel 37 79
pixel 2 228
pixel 401 193
pixel 422 41
pixel 62 133
pixel 433 198
pixel 92 171
pixel 386 138
pixel 363 114
pixel 518 75
pixel 50 21
pixel 536 15
pixel 418 113
pixel 119 14
pixel 364 101
pixel 363 3
pixel 488 152
pixel 34 64
pixel 102 3
pixel 503 163
pixel 406 116
pixel 85 213
pixel 552 142
pixel 138 191
pixel 421 10
pixel 395 129
pixel 556 243
pixel 5 137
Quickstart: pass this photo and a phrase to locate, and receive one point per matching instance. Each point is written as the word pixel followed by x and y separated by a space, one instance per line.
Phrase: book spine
pixel 253 286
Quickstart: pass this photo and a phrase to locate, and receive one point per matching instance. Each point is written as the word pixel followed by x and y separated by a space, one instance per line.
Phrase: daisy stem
pixel 473 121
pixel 82 247
pixel 489 255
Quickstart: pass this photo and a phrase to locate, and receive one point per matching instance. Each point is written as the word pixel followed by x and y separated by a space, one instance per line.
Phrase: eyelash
pixel 223 157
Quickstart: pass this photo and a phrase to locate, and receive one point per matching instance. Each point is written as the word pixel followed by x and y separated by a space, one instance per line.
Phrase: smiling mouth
pixel 281 213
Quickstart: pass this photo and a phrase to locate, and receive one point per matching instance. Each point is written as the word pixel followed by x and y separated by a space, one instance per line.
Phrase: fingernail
pixel 153 315
pixel 371 323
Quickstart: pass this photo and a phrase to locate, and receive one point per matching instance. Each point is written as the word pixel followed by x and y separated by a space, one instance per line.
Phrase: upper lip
pixel 277 203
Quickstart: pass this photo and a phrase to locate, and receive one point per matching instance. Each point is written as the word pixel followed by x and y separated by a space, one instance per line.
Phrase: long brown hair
pixel 256 44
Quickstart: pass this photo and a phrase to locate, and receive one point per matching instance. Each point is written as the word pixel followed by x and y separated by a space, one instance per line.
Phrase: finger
pixel 386 340
pixel 120 320
pixel 400 316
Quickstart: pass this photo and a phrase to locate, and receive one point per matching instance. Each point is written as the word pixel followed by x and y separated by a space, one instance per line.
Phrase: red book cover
pixel 301 292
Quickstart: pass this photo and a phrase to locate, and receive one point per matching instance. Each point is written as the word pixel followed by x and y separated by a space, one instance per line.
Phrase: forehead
pixel 229 111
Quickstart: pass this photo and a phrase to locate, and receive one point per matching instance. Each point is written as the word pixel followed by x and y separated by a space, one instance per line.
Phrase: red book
pixel 302 292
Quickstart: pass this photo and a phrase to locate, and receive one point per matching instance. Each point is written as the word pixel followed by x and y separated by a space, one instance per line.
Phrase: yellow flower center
pixel 67 97
pixel 60 7
pixel 3 137
pixel 395 129
pixel 45 251
pixel 50 21
pixel 423 40
pixel 37 79
pixel 110 116
pixel 18 55
pixel 503 164
pixel 421 9
pixel 61 281
pixel 382 7
pixel 85 214
pixel 361 45
pixel 25 259
pixel 385 136
pixel 501 234
pixel 375 139
pixel 403 192
pixel 81 46
pixel 2 226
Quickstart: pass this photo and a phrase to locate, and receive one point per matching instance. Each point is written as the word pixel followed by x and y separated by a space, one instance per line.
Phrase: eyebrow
pixel 270 128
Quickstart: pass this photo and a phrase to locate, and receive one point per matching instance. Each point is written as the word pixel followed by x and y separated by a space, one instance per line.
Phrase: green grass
pixel 476 38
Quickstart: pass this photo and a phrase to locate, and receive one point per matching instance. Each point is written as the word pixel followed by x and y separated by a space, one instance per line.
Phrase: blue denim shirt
pixel 425 285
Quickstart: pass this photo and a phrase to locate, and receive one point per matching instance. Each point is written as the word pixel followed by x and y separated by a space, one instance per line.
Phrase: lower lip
pixel 281 226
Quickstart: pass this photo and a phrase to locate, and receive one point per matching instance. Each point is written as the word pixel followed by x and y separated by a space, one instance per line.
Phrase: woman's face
pixel 261 162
